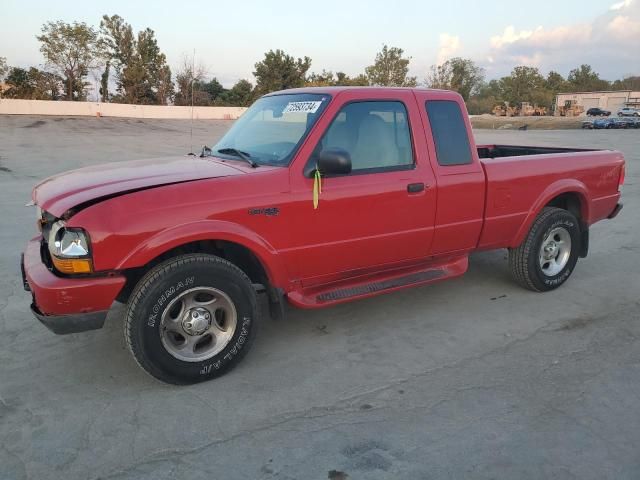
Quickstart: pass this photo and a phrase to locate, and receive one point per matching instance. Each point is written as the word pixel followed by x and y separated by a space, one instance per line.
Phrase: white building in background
pixel 607 100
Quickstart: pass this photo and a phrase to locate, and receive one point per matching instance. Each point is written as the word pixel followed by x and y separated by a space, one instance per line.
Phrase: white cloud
pixel 608 43
pixel 449 45
pixel 623 27
pixel 510 36
pixel 542 37
pixel 621 5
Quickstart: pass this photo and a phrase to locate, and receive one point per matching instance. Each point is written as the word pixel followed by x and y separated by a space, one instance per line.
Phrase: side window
pixel 449 133
pixel 376 135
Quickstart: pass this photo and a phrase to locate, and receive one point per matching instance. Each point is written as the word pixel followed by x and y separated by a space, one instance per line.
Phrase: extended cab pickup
pixel 315 196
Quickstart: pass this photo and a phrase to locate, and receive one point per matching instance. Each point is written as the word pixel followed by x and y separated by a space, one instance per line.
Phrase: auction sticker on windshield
pixel 302 107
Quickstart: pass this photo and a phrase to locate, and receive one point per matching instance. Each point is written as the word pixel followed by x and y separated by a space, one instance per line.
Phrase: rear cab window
pixel 449 131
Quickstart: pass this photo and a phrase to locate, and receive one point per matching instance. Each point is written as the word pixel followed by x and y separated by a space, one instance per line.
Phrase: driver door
pixel 382 214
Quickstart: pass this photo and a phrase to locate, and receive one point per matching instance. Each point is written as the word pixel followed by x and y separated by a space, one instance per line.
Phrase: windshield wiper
pixel 238 153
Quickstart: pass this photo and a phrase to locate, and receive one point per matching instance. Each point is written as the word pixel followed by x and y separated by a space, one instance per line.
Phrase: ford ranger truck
pixel 314 197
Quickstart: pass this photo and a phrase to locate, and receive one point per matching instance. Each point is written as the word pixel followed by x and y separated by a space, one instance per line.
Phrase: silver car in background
pixel 629 112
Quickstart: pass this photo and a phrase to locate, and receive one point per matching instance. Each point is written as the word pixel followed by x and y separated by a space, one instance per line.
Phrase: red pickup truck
pixel 315 196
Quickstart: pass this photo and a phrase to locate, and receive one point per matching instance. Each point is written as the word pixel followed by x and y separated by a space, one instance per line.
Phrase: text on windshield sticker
pixel 302 107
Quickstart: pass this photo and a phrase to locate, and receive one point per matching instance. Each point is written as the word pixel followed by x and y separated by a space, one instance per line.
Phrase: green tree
pixel 525 84
pixel 279 71
pixel 390 69
pixel 71 50
pixel 627 83
pixel 213 88
pixel 33 84
pixel 328 79
pixel 3 72
pixel 116 39
pixel 240 95
pixel 141 70
pixel 487 96
pixel 323 79
pixel 556 83
pixel 19 85
pixel 3 68
pixel 343 79
pixel 584 79
pixel 459 74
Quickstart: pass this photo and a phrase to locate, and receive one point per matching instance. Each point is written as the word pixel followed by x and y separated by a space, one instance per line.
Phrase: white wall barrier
pixel 97 109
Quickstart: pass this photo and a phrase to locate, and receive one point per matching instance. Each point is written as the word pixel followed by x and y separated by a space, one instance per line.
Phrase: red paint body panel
pixel 368 227
pixel 59 193
pixel 60 296
pixel 519 187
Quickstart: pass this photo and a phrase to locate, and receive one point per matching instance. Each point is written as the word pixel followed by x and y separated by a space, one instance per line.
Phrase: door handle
pixel 415 187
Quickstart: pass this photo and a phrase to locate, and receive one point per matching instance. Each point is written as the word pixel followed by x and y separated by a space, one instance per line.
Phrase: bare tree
pixel 189 78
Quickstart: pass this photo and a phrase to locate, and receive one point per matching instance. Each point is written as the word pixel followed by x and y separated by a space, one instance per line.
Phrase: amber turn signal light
pixel 72 265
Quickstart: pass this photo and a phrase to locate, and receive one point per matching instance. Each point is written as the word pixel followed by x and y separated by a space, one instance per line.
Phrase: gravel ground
pixel 472 378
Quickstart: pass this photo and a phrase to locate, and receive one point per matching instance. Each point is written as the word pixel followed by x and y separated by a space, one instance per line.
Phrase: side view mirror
pixel 334 161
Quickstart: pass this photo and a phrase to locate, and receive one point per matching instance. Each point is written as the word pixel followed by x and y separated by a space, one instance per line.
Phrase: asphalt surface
pixel 471 378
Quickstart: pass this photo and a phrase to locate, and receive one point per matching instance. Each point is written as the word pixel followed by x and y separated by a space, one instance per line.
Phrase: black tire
pixel 153 296
pixel 524 261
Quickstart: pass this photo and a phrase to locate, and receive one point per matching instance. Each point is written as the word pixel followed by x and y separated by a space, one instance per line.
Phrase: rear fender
pixel 551 192
pixel 212 230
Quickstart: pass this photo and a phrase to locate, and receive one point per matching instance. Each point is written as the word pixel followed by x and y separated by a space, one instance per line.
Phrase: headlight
pixel 70 249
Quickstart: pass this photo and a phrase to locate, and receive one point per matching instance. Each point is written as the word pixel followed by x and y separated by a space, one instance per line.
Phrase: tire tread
pixel 518 257
pixel 147 281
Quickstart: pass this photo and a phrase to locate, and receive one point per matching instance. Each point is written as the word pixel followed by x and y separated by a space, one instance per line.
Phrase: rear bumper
pixel 615 211
pixel 67 305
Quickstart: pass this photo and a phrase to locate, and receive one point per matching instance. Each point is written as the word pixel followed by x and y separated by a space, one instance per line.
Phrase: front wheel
pixel 191 318
pixel 547 256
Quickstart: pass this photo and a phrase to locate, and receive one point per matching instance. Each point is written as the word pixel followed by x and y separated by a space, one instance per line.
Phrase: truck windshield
pixel 270 132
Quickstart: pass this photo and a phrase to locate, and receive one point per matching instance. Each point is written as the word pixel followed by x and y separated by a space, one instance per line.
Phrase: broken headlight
pixel 70 249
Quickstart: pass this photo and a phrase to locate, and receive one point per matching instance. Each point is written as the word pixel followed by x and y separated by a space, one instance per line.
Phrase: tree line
pixel 131 68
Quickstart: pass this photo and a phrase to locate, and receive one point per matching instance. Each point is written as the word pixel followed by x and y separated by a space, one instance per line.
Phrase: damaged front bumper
pixel 67 304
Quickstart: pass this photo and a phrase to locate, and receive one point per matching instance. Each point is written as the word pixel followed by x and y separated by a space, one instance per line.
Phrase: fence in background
pixel 97 109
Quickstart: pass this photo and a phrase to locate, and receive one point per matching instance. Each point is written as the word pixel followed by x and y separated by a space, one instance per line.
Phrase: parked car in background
pixel 601 123
pixel 587 124
pixel 629 112
pixel 598 112
pixel 627 122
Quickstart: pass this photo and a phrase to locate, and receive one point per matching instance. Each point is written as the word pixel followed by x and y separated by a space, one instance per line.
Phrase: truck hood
pixel 61 192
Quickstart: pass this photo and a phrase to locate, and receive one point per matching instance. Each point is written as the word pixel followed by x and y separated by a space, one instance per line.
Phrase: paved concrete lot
pixel 472 378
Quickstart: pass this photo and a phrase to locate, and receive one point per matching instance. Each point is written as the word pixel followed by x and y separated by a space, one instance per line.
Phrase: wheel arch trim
pixel 208 230
pixel 553 191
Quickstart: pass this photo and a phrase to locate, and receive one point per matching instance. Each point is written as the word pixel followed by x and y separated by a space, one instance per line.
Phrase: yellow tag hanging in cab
pixel 317 188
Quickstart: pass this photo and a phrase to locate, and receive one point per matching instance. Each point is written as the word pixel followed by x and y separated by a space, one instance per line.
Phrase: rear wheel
pixel 191 318
pixel 547 256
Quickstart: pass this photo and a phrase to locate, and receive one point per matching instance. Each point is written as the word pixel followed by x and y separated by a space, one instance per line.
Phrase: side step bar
pixel 345 293
pixel 374 284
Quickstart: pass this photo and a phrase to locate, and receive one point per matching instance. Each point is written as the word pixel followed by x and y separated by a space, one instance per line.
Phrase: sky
pixel 230 37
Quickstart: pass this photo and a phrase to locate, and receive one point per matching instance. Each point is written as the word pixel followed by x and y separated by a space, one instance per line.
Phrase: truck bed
pixel 519 177
pixel 499 151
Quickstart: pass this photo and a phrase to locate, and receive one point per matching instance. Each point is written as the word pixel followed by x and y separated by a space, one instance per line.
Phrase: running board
pixel 363 287
pixel 344 293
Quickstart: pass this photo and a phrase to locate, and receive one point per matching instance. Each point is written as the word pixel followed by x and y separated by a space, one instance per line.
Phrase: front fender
pixel 176 236
pixel 552 191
